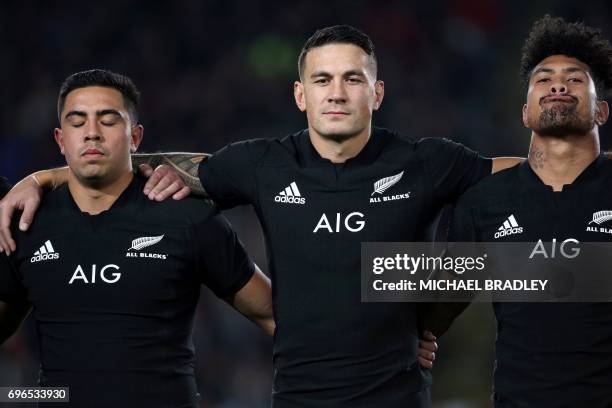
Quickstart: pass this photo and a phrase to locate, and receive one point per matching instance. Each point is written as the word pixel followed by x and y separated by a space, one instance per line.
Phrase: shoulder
pixel 436 146
pixel 256 149
pixel 491 190
pixel 188 211
pixel 425 148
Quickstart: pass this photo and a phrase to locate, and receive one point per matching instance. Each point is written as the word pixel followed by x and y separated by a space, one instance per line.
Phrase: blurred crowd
pixel 214 72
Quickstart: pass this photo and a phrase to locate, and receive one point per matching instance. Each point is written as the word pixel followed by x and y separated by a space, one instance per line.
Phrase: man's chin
pixel 562 131
pixel 92 179
pixel 338 134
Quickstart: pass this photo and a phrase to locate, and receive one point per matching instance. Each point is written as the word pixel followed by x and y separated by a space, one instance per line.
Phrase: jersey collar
pixel 308 155
pixel 131 193
pixel 591 173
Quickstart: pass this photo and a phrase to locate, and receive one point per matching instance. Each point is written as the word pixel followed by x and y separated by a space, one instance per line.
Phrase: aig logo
pixel 568 249
pixel 353 222
pixel 105 274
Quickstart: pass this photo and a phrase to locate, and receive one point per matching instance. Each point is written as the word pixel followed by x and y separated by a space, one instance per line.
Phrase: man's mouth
pixel 92 153
pixel 336 113
pixel 558 98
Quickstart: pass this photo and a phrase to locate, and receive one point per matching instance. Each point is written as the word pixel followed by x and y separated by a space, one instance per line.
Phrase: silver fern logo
pixel 383 185
pixel 600 217
pixel 144 242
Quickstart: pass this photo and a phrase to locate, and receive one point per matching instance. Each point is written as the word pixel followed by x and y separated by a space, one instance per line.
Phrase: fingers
pixel 154 179
pixel 26 196
pixel 145 170
pixel 7 244
pixel 427 349
pixel 163 183
pixel 29 209
pixel 429 342
pixel 426 357
pixel 425 363
pixel 182 193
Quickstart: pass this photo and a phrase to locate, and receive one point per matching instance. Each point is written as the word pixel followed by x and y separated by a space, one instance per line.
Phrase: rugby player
pixel 113 278
pixel 552 354
pixel 319 193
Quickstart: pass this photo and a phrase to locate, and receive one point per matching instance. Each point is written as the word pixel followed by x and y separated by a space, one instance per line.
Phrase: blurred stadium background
pixel 214 72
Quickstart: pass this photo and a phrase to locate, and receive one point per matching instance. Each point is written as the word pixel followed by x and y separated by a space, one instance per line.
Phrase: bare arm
pixel 11 317
pixel 502 163
pixel 254 301
pixel 184 164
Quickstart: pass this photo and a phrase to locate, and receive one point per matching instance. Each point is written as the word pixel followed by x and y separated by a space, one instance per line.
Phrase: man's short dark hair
pixel 554 36
pixel 100 77
pixel 338 34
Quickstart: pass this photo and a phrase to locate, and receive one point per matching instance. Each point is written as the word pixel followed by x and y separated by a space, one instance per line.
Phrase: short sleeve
pixel 453 167
pixel 11 288
pixel 229 175
pixel 223 263
pixel 462 227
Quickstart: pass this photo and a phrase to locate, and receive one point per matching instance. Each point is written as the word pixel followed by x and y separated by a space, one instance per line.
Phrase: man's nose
pixel 558 87
pixel 337 92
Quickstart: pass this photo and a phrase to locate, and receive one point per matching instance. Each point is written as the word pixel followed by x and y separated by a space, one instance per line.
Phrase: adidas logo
pixel 290 195
pixel 45 253
pixel 509 227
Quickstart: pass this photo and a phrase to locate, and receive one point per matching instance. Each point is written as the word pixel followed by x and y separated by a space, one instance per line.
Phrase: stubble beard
pixel 562 121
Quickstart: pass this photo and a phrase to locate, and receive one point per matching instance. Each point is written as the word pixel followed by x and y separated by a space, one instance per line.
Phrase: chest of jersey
pixel 123 267
pixel 549 215
pixel 380 203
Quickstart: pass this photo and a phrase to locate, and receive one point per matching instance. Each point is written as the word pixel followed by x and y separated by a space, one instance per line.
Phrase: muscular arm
pixel 184 164
pixel 254 301
pixel 11 317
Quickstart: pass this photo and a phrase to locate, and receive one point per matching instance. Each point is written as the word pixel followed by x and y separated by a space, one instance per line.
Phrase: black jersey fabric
pixel 547 354
pixel 114 294
pixel 330 349
pixel 4 187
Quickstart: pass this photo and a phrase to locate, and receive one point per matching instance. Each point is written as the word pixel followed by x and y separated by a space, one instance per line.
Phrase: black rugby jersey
pixel 114 294
pixel 4 187
pixel 330 349
pixel 547 354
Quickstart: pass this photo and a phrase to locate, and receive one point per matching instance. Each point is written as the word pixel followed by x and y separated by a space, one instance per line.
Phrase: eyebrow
pixel 351 72
pixel 551 71
pixel 102 112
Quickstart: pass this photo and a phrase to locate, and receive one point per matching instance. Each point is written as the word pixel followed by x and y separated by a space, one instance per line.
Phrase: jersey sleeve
pixel 229 175
pixel 222 262
pixel 462 227
pixel 11 288
pixel 438 317
pixel 453 167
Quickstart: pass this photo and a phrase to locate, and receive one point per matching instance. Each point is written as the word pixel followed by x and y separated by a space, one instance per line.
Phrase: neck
pixel 96 199
pixel 560 161
pixel 339 151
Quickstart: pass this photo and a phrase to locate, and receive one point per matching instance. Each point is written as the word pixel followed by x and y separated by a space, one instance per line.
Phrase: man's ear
pixel 136 136
pixel 602 113
pixel 379 89
pixel 298 94
pixel 59 139
pixel 525 117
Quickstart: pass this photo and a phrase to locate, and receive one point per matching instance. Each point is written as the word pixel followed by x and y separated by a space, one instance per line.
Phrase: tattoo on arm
pixel 536 158
pixel 185 164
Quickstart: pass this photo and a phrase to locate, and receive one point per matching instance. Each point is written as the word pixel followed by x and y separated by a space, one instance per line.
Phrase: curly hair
pixel 554 36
